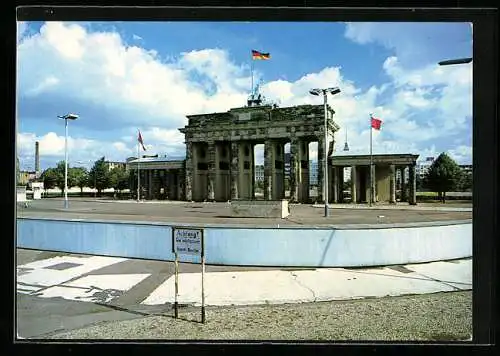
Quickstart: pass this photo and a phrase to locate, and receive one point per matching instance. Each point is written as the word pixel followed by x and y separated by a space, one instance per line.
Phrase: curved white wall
pixel 320 247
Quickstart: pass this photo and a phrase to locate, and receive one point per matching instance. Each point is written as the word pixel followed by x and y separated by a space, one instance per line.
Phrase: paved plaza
pixel 220 213
pixel 59 291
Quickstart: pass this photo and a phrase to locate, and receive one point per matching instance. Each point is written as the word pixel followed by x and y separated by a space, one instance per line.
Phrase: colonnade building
pixel 220 163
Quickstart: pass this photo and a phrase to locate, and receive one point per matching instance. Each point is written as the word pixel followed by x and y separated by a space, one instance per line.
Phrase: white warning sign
pixel 188 241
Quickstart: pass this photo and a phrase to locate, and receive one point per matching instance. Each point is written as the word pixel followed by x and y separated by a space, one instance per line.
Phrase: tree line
pixel 99 177
pixel 444 175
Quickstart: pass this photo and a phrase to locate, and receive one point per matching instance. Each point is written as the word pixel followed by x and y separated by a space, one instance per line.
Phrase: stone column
pixel 268 169
pixel 294 169
pixel 354 184
pixel 335 186
pixel 278 172
pixel 252 154
pixel 403 183
pixel 392 183
pixel 181 184
pixel 150 185
pixel 413 185
pixel 373 183
pixel 188 178
pixel 212 171
pixel 303 172
pixel 321 168
pixel 340 180
pixel 234 169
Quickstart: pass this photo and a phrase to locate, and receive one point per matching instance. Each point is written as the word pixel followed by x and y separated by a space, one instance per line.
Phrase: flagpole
pixel 371 162
pixel 251 69
pixel 138 171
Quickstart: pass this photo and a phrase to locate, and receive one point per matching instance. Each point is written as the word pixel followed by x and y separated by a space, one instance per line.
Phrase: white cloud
pixel 143 90
pixel 51 148
pixel 461 154
pixel 128 80
pixel 415 43
pixel 136 37
pixel 46 84
pixel 22 28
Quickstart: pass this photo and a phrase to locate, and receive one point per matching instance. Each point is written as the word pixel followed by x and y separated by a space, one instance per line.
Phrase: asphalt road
pixel 220 213
pixel 42 317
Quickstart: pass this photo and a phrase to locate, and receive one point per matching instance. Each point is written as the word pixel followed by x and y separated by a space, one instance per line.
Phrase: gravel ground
pixel 434 317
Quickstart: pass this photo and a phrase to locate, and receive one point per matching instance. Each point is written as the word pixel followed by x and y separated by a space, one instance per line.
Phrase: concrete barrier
pixel 21 194
pixel 347 246
pixel 260 208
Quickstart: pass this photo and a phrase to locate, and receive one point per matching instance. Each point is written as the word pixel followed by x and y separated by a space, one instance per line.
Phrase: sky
pixel 123 76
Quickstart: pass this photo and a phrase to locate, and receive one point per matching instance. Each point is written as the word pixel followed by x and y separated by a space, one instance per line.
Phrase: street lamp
pixel 66 118
pixel 317 92
pixel 455 61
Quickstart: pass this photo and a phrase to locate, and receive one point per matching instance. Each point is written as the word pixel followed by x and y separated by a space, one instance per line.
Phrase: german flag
pixel 260 55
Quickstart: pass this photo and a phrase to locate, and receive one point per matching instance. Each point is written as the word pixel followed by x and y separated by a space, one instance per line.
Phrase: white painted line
pixel 108 281
pixel 50 277
pixel 29 288
pixel 54 260
pixel 94 288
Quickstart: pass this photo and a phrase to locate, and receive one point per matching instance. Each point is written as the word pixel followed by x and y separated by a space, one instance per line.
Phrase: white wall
pixel 260 247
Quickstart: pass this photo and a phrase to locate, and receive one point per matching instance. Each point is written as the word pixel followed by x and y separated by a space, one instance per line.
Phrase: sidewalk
pixel 299 286
pixel 402 206
pixel 91 278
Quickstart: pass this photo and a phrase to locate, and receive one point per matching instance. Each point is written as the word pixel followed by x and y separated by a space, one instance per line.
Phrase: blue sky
pixel 121 76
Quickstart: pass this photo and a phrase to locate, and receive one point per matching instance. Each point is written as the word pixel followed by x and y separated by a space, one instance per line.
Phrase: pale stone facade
pixel 385 167
pixel 220 151
pixel 220 162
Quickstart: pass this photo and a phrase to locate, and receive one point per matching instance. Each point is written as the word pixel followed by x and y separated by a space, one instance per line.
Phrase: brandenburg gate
pixel 220 158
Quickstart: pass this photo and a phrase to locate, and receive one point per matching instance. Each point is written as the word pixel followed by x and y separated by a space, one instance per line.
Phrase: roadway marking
pixel 61 276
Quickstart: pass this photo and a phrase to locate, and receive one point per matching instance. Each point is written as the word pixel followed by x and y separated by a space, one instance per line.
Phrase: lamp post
pixel 325 92
pixel 66 118
pixel 455 61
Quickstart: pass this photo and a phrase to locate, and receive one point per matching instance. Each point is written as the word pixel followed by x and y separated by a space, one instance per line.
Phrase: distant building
pixel 313 172
pixel 112 164
pixel 26 177
pixel 466 168
pixel 259 173
pixel 287 165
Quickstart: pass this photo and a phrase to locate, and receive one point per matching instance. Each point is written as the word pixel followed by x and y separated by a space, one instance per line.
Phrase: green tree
pixel 465 184
pixel 78 176
pixel 49 178
pixel 119 179
pixel 60 177
pixel 99 176
pixel 443 176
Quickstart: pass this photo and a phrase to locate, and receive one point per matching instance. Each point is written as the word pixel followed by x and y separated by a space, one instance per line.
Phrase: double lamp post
pixel 325 92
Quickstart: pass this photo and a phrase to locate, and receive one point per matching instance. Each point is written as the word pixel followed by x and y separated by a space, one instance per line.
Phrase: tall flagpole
pixel 371 162
pixel 251 69
pixel 138 170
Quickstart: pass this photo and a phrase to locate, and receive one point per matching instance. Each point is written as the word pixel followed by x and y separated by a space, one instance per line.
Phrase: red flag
pixel 141 141
pixel 376 123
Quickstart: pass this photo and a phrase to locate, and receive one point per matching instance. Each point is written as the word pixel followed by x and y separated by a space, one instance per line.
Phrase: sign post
pixel 202 278
pixel 189 241
pixel 176 305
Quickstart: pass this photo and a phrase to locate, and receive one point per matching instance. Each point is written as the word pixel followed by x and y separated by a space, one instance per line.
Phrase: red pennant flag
pixel 141 141
pixel 376 123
